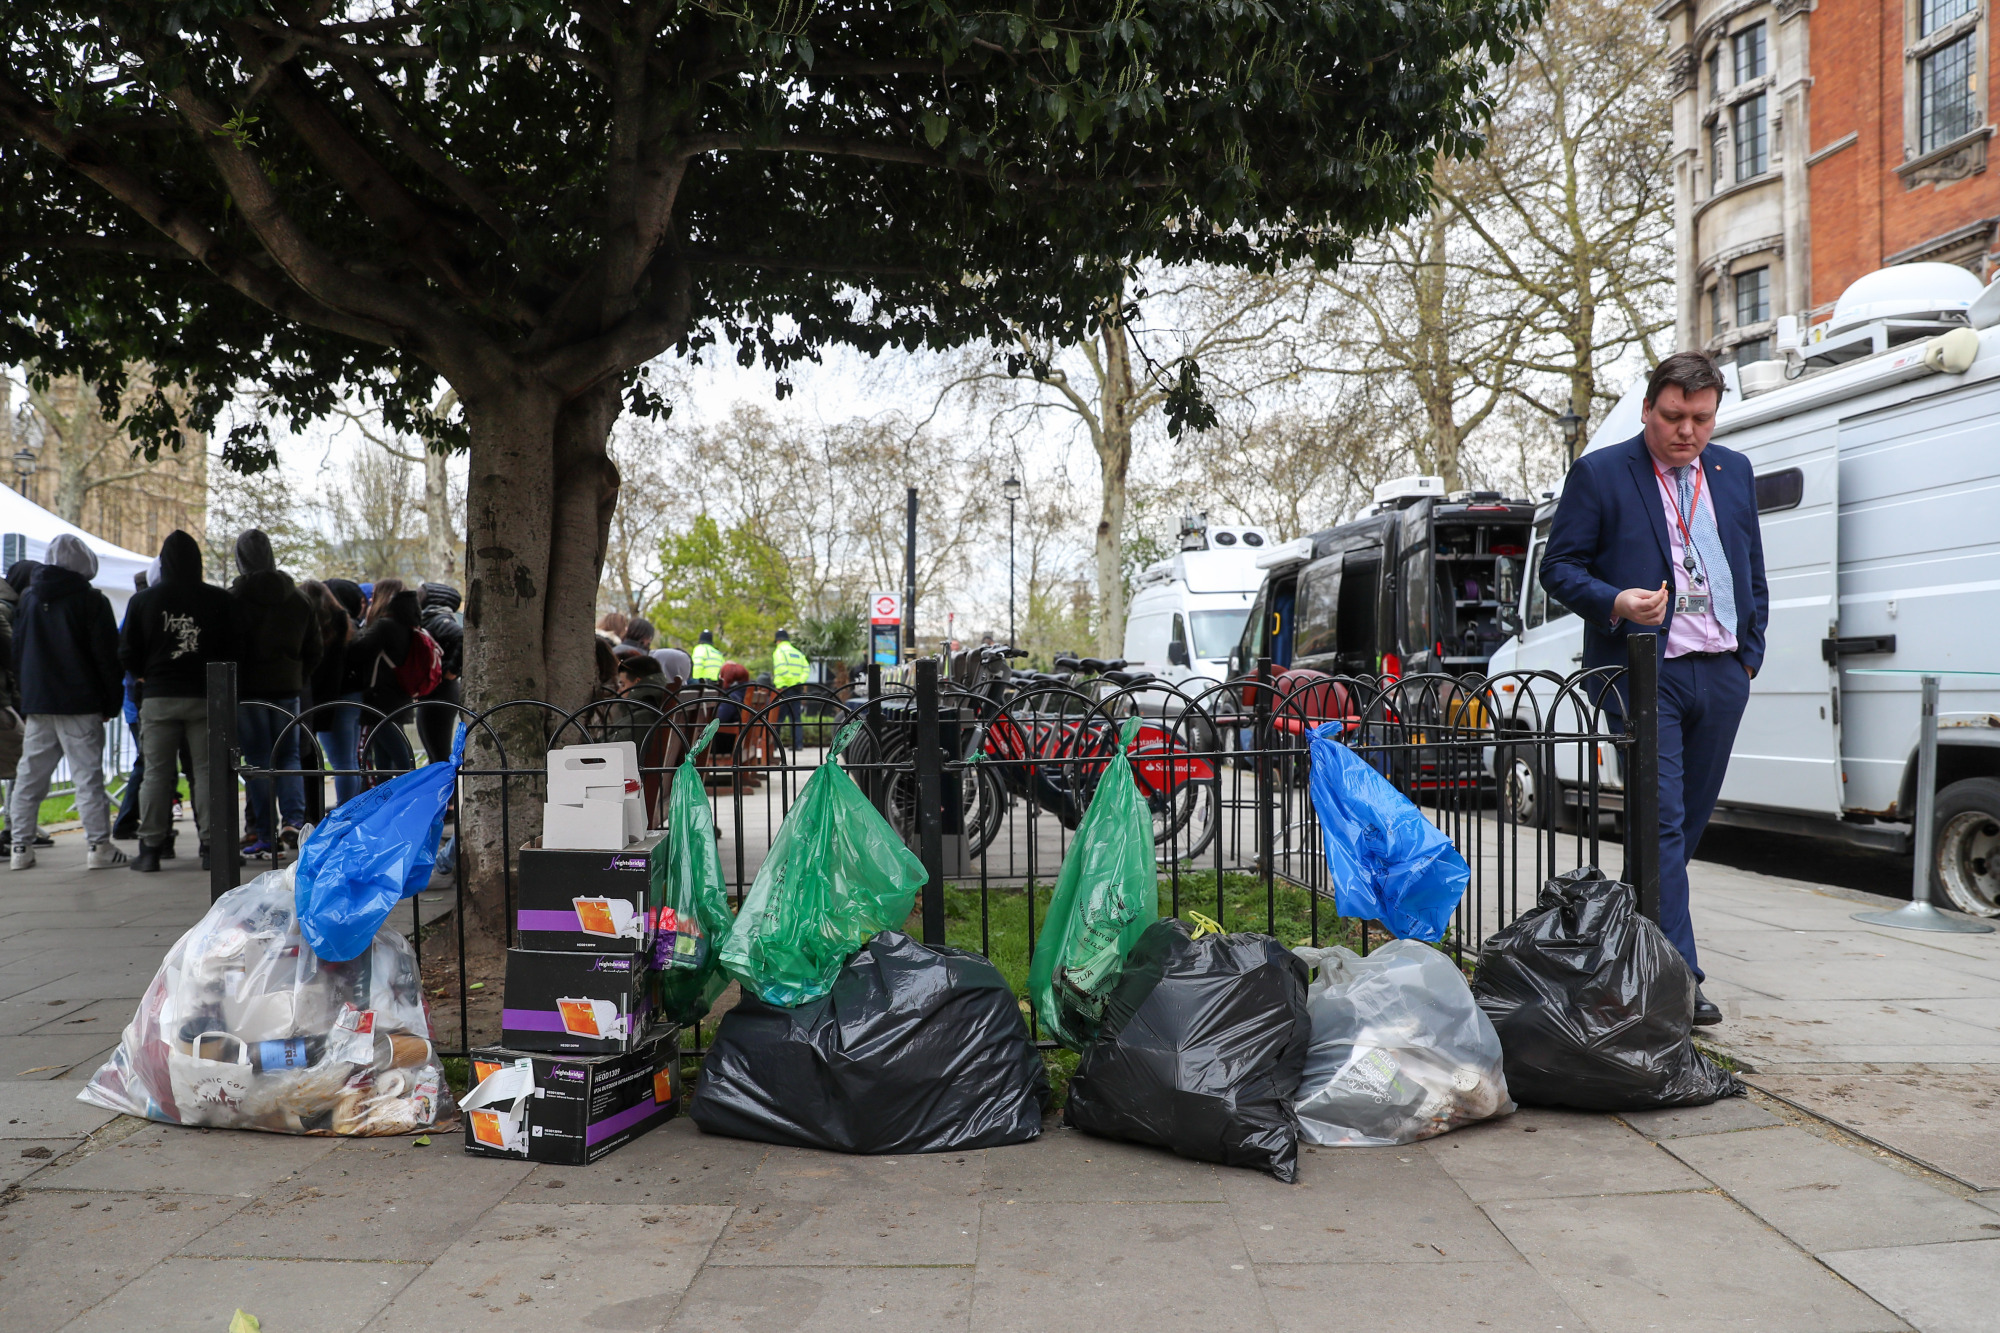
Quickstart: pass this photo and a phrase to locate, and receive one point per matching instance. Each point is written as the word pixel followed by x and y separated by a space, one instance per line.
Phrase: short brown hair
pixel 1690 372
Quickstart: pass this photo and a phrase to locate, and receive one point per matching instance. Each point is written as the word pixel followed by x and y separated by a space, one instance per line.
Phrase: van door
pixel 1787 753
pixel 1551 641
pixel 1415 594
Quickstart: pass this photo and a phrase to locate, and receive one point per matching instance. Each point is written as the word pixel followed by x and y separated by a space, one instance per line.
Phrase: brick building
pixel 1816 141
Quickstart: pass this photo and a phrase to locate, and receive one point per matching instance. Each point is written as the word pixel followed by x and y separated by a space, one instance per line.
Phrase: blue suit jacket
pixel 1610 534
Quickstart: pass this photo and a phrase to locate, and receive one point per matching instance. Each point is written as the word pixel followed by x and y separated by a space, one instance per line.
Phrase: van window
pixel 1216 632
pixel 1360 587
pixel 1319 598
pixel 1542 608
pixel 1780 490
pixel 1414 582
pixel 1146 639
pixel 1179 635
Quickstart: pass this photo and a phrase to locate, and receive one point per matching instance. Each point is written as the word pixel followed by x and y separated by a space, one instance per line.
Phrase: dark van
pixel 1417 585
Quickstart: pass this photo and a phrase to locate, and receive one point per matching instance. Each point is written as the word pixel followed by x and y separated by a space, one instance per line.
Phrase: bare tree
pixel 1572 203
pixel 1181 339
pixel 442 533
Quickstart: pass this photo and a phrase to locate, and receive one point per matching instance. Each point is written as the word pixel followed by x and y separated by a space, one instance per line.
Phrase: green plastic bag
pixel 691 901
pixel 1106 896
pixel 836 874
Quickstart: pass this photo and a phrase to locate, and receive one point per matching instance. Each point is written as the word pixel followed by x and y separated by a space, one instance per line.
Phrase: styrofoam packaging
pixel 575 770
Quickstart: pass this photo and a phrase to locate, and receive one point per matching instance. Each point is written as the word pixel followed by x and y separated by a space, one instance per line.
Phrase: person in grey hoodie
pixel 278 642
pixel 66 659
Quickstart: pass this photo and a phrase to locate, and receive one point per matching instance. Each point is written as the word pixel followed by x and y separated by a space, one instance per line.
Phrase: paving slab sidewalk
pixel 1746 1214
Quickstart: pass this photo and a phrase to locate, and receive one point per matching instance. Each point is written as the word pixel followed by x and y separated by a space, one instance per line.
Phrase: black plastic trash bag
pixel 1203 1045
pixel 1594 1005
pixel 915 1049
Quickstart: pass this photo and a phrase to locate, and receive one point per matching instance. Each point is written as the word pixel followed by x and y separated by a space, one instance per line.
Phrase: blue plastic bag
pixel 369 854
pixel 1387 862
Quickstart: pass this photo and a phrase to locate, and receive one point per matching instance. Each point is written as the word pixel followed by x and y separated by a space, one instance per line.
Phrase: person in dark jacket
pixel 280 645
pixel 437 718
pixel 339 728
pixel 173 630
pixel 373 658
pixel 66 658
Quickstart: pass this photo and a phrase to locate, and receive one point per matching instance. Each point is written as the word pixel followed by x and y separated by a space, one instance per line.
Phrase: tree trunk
pixel 1113 440
pixel 1435 384
pixel 440 541
pixel 538 498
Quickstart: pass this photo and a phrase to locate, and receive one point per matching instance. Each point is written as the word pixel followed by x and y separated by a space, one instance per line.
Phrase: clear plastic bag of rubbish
pixel 245 1028
pixel 1106 895
pixel 1400 1050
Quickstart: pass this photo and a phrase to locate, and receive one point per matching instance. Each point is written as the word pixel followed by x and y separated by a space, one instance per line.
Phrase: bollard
pixel 930 799
pixel 1642 774
pixel 224 832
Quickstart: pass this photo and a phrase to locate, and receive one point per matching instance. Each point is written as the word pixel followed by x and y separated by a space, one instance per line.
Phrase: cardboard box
pixel 575 1003
pixel 575 1108
pixel 594 797
pixel 569 901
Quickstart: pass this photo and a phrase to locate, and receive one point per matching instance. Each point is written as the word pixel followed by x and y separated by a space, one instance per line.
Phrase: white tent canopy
pixel 38 527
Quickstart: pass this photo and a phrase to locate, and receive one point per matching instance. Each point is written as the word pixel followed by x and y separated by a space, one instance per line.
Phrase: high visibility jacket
pixel 789 666
pixel 707 662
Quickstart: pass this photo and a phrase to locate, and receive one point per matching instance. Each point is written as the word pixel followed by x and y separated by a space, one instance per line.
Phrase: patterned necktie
pixel 1708 553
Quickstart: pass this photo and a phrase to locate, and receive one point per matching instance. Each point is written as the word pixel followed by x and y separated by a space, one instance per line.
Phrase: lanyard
pixel 1682 521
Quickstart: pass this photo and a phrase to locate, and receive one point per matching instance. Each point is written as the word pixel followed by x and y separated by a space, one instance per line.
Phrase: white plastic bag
pixel 244 1028
pixel 1400 1051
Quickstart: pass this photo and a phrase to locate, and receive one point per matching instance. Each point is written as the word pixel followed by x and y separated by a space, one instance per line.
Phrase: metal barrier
pixel 987 779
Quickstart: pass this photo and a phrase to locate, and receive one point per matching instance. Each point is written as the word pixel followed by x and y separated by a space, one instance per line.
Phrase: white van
pixel 1188 612
pixel 1876 446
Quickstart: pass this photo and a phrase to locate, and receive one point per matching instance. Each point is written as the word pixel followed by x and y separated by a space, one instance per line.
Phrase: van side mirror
pixel 1177 653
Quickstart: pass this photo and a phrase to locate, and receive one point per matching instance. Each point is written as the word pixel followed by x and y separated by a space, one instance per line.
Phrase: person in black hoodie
pixel 437 721
pixel 66 658
pixel 279 638
pixel 173 630
pixel 339 728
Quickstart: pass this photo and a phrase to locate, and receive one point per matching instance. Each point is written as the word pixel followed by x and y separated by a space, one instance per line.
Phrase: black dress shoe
pixel 1705 1012
pixel 148 860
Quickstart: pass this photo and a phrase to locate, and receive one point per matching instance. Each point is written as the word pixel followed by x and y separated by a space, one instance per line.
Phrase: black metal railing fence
pixel 987 775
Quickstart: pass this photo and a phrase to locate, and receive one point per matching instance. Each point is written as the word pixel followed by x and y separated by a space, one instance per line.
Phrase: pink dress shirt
pixel 1689 633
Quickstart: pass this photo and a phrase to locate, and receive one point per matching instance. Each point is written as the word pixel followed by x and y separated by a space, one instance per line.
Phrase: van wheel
pixel 1522 789
pixel 1966 848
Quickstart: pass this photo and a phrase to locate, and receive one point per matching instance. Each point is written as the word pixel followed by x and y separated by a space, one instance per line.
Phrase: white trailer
pixel 1876 446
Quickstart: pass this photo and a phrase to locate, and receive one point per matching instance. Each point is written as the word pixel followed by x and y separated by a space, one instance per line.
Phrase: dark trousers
pixel 126 826
pixel 1701 703
pixel 791 704
pixel 268 740
pixel 437 721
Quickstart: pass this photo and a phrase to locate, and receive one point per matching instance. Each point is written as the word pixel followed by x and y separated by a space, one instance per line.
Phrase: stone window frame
pixel 1718 272
pixel 1965 155
pixel 1716 43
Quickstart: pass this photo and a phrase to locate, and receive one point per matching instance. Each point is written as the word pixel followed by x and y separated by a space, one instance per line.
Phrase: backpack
pixel 422 668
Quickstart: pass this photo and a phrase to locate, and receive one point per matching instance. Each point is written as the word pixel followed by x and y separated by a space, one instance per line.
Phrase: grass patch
pixel 457 1073
pixel 1284 911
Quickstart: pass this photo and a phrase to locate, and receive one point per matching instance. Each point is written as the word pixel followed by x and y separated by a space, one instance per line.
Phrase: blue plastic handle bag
pixel 1387 862
pixel 369 854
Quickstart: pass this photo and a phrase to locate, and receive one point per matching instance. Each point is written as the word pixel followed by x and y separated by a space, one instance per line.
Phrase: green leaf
pixel 936 126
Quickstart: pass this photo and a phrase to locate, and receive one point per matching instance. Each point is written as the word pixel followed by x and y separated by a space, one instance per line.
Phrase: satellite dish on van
pixel 1905 291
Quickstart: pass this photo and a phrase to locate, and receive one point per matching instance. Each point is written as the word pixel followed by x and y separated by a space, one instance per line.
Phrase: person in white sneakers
pixel 66 659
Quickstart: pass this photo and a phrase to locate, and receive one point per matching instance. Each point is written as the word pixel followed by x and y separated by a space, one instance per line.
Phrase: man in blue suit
pixel 1659 535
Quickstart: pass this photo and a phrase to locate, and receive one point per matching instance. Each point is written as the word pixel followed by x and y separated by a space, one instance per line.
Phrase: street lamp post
pixel 1572 427
pixel 1011 489
pixel 24 467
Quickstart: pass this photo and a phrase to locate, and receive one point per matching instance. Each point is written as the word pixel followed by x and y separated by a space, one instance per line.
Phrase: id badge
pixel 1691 604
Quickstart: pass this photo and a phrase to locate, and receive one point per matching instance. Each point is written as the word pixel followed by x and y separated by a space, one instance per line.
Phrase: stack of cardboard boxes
pixel 581 1068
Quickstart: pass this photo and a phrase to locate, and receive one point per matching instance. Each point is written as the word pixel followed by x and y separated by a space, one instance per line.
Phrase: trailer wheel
pixel 1966 848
